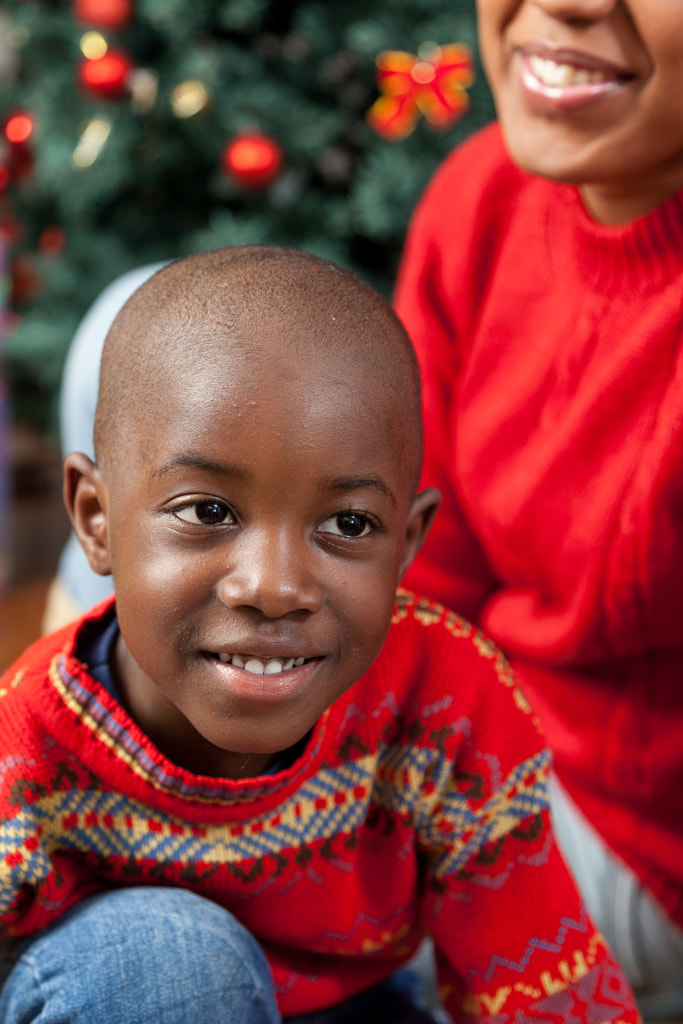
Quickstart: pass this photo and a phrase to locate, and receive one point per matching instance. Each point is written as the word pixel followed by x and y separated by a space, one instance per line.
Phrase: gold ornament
pixel 93 45
pixel 144 88
pixel 94 134
pixel 190 98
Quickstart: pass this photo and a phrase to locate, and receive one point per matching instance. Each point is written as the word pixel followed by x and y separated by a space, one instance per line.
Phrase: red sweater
pixel 553 392
pixel 419 805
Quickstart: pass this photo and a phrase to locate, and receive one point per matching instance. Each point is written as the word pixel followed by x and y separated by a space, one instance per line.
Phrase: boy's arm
pixel 27 877
pixel 514 941
pixel 36 883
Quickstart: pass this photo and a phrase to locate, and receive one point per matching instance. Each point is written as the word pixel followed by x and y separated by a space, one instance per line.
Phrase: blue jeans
pixel 166 956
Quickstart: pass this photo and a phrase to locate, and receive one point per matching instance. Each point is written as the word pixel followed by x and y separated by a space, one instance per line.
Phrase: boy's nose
pixel 271 574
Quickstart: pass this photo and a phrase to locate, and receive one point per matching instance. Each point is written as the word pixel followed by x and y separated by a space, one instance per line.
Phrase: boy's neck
pixel 173 735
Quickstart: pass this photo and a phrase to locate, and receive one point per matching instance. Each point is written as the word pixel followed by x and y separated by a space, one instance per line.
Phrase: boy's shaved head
pixel 229 306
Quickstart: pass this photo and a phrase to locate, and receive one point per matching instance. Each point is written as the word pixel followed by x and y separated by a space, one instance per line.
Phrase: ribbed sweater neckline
pixel 643 254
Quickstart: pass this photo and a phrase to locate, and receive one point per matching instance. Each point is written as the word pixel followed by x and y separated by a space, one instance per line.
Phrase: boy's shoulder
pixel 27 688
pixel 36 728
pixel 35 661
pixel 431 654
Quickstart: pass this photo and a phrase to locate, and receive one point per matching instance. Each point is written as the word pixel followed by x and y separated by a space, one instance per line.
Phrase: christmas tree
pixel 142 130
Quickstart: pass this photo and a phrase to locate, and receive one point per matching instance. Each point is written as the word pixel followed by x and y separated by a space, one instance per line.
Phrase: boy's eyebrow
pixel 358 483
pixel 339 483
pixel 190 461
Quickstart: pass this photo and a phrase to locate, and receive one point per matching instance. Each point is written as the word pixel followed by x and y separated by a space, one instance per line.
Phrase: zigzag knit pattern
pixel 419 805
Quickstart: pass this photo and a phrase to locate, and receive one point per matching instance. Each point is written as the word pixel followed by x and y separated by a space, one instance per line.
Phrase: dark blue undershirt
pixel 96 650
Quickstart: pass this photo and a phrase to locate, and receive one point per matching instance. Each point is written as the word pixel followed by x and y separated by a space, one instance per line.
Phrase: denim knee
pixel 141 955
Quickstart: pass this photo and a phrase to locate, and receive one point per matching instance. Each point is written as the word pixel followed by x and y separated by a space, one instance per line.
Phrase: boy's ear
pixel 85 497
pixel 420 518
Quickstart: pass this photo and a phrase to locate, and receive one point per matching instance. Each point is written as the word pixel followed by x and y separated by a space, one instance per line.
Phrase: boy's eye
pixel 205 513
pixel 347 524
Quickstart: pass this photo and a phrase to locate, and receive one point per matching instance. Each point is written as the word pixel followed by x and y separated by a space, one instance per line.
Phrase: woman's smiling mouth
pixel 564 81
pixel 553 73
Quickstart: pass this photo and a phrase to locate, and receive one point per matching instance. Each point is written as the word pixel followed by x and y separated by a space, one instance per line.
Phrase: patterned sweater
pixel 419 805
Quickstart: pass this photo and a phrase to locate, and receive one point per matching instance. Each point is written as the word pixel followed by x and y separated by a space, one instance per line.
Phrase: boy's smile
pixel 588 92
pixel 257 530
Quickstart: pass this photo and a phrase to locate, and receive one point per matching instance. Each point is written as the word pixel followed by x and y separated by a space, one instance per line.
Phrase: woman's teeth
pixel 259 666
pixel 553 74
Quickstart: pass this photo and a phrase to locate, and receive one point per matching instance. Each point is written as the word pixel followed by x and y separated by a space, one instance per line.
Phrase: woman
pixel 542 284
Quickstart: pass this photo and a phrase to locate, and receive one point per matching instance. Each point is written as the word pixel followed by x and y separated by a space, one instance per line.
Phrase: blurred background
pixel 140 130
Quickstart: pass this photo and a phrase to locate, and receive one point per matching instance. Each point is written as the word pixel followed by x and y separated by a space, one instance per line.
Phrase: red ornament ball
pixel 252 159
pixel 19 128
pixel 27 283
pixel 52 241
pixel 106 76
pixel 111 14
pixel 17 155
pixel 12 230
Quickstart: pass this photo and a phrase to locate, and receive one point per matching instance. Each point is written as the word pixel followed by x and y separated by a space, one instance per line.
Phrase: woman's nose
pixel 272 574
pixel 578 10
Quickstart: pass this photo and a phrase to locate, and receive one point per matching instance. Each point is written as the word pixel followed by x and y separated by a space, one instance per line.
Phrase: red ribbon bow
pixel 433 85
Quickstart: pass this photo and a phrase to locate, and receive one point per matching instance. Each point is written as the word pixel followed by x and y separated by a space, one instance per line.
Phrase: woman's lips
pixel 557 82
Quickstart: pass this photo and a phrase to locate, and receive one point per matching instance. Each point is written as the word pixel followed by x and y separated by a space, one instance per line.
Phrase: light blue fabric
pixel 78 401
pixel 145 955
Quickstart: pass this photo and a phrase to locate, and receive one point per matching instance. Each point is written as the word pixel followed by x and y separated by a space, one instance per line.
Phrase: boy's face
pixel 256 531
pixel 589 92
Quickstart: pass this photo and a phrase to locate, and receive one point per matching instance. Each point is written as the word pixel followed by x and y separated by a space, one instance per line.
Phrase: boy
pixel 259 731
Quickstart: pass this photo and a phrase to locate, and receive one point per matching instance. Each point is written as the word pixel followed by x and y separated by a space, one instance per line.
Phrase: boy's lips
pixel 564 81
pixel 265 677
pixel 261 665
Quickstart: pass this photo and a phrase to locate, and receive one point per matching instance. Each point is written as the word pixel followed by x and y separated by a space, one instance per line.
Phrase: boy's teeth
pixel 272 667
pixel 259 667
pixel 549 72
pixel 255 666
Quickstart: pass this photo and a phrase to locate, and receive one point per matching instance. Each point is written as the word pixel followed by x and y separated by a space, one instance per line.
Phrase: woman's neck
pixel 622 202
